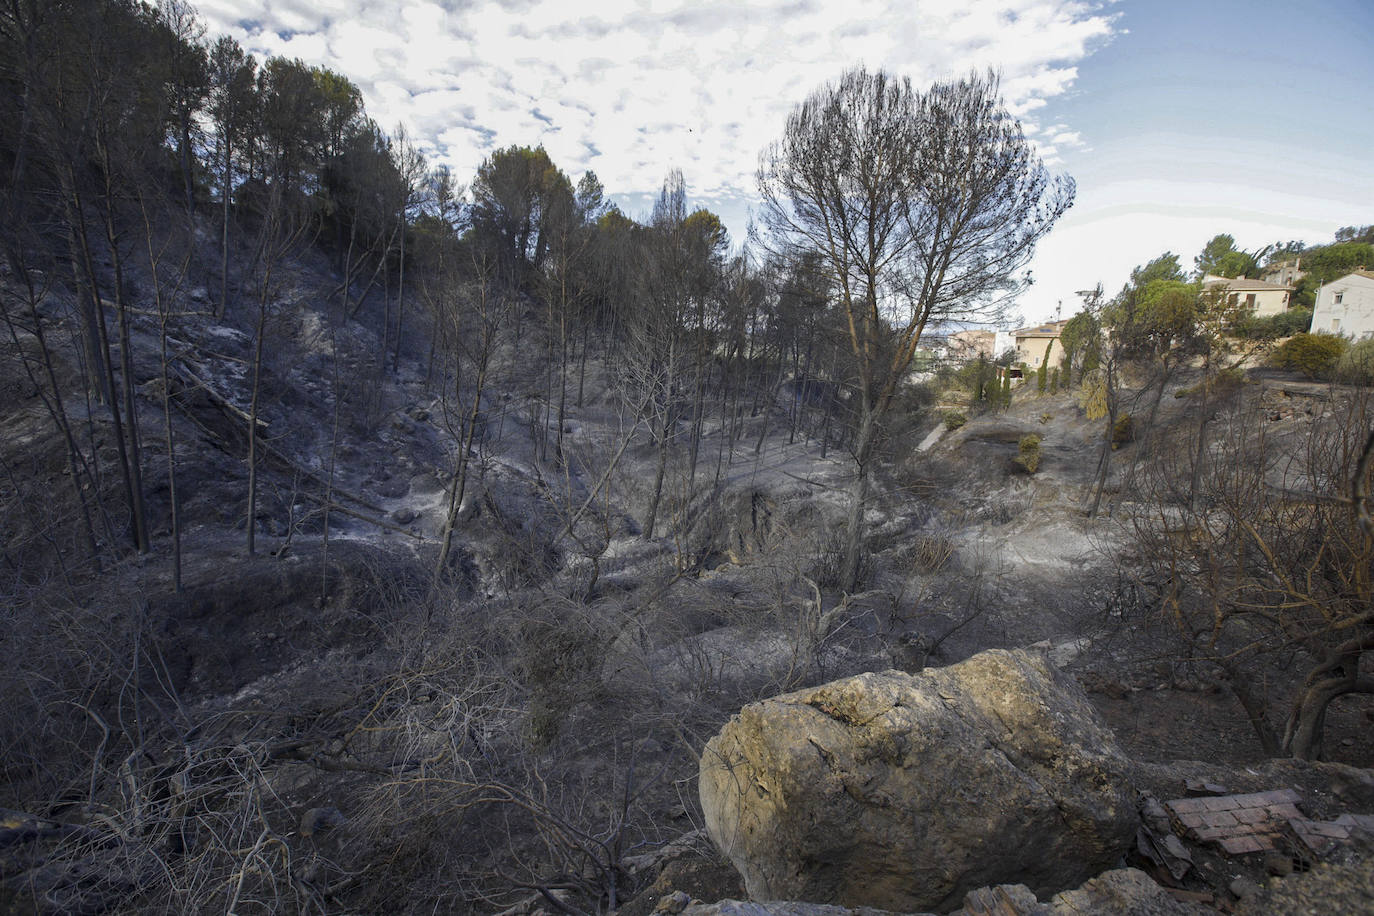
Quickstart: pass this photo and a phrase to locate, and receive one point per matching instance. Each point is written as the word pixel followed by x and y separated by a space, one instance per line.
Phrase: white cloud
pixel 634 89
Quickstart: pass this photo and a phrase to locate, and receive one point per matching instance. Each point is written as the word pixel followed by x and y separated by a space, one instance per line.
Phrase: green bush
pixel 1314 355
pixel 1356 365
pixel 1029 453
pixel 1272 327
pixel 954 419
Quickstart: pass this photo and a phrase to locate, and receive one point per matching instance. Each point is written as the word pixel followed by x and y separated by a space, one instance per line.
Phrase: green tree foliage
pixel 1314 355
pixel 1081 341
pixel 517 196
pixel 1164 267
pixel 1153 319
pixel 292 128
pixel 1356 234
pixel 1220 257
pixel 1283 252
pixel 1330 262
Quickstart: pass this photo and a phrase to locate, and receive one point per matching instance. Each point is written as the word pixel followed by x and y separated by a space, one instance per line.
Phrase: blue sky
pixel 1179 120
pixel 1248 118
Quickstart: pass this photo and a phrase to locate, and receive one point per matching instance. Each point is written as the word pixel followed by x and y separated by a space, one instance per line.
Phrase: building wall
pixel 972 344
pixel 1267 301
pixel 1353 315
pixel 1031 350
pixel 1261 302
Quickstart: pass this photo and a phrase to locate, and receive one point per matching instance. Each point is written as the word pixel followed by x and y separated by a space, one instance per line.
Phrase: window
pixel 1339 297
pixel 1335 325
pixel 1250 300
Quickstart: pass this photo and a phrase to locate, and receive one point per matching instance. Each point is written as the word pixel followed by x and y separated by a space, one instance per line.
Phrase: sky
pixel 1178 119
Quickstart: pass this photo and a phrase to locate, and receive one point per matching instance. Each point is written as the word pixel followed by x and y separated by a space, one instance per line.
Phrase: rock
pixel 783 908
pixel 906 792
pixel 318 820
pixel 1094 682
pixel 1003 900
pixel 1353 785
pixel 404 515
pixel 1326 888
pixel 674 903
pixel 1243 888
pixel 1196 788
pixel 1278 864
pixel 1122 892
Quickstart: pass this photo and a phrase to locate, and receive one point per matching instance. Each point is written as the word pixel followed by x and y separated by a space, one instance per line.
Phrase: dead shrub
pixel 927 553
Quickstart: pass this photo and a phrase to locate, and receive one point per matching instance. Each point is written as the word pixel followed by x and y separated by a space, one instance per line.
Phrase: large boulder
pixel 905 792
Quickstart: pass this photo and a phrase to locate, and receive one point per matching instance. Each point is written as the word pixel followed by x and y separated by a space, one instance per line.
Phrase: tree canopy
pixel 919 205
pixel 1220 257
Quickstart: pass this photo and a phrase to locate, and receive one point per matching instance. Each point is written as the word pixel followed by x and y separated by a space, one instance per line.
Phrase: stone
pixel 404 515
pixel 1002 900
pixel 1278 864
pixel 674 903
pixel 1343 889
pixel 783 908
pixel 906 792
pixel 1243 888
pixel 318 820
pixel 1122 892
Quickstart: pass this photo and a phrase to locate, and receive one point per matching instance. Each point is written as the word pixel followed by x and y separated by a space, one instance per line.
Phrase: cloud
pixel 635 89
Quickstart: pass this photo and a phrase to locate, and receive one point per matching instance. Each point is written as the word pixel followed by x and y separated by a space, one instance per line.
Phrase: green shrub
pixel 1272 327
pixel 1314 355
pixel 1029 453
pixel 954 419
pixel 1356 365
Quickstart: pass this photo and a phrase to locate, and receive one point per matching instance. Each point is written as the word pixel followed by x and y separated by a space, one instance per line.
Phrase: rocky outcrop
pixel 905 792
pixel 1123 892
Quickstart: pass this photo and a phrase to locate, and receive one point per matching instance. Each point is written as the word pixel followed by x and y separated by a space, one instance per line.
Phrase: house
pixel 1346 306
pixel 973 343
pixel 1286 273
pixel 1033 343
pixel 1261 298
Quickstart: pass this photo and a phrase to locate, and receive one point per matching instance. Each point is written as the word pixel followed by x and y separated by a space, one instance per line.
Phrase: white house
pixel 1346 306
pixel 1261 298
pixel 1035 342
